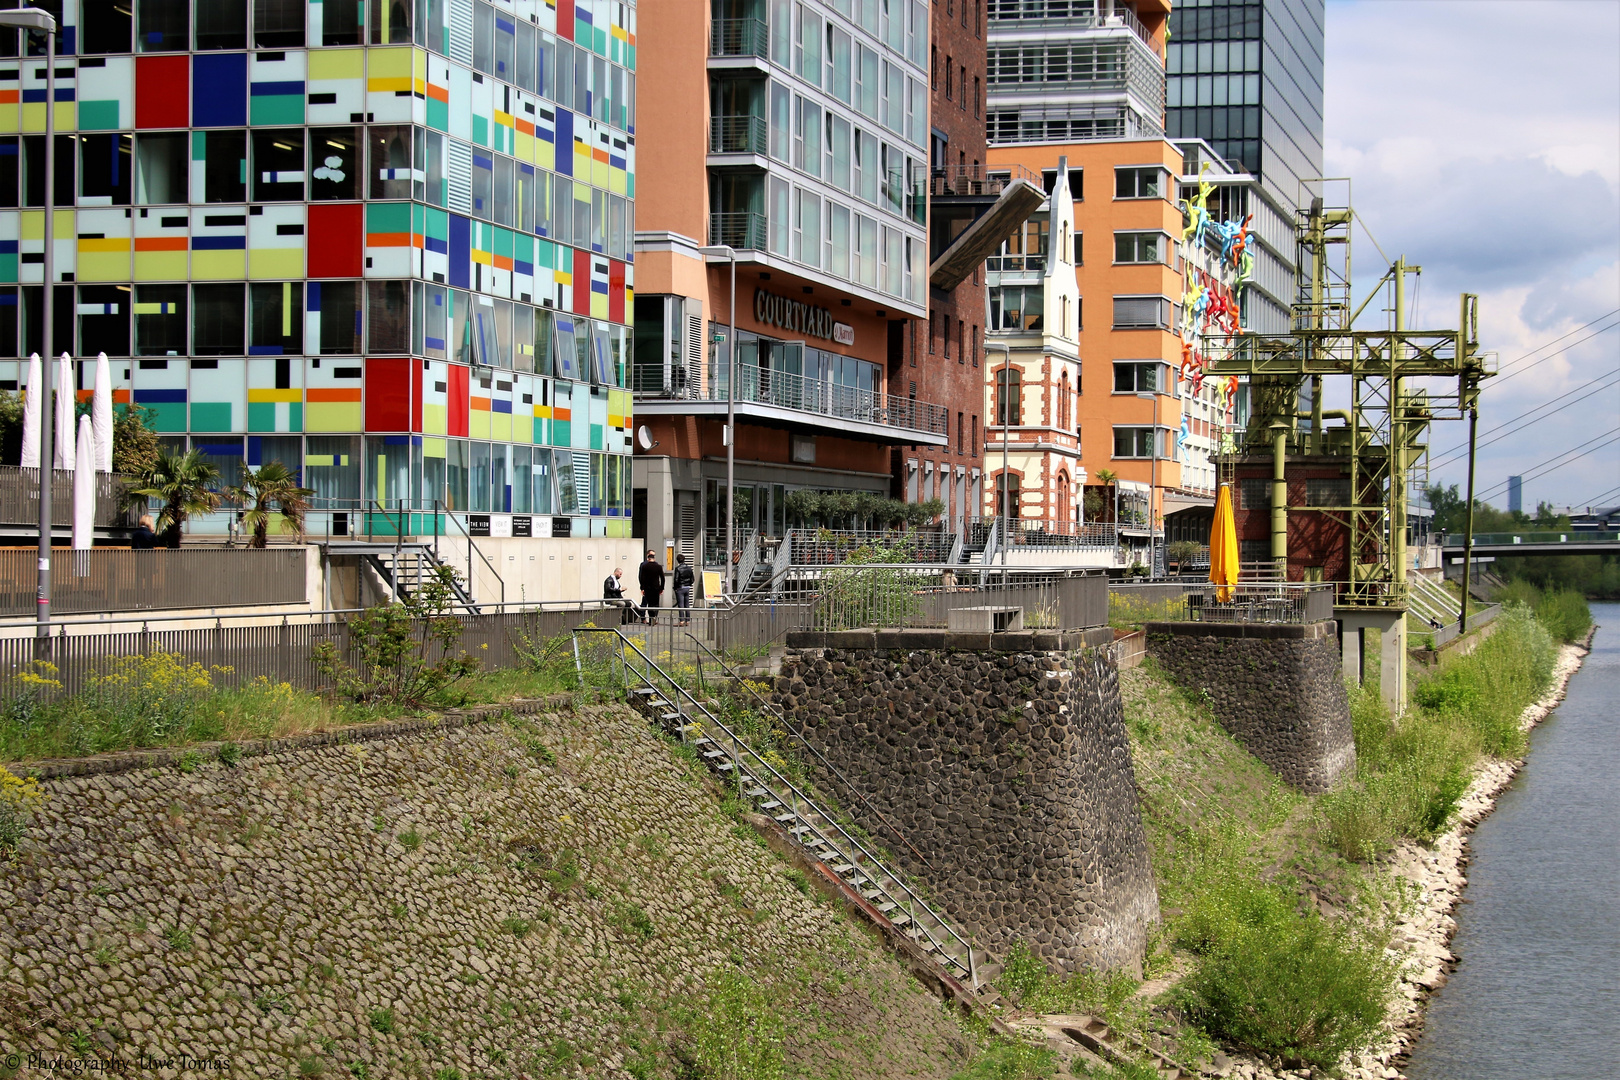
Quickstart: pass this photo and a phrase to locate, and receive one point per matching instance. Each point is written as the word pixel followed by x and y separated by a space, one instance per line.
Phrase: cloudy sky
pixel 1483 139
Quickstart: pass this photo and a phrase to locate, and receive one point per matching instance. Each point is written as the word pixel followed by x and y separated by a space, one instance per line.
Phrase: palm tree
pixel 272 483
pixel 186 483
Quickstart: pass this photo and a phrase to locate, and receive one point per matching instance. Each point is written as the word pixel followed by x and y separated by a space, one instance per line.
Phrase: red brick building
pixel 940 360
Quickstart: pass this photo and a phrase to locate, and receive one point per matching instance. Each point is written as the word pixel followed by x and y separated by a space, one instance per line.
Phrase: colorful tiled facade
pixel 388 243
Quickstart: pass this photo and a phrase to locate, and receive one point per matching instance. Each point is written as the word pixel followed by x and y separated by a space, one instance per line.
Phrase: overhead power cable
pixel 1460 450
pixel 1546 467
pixel 1502 379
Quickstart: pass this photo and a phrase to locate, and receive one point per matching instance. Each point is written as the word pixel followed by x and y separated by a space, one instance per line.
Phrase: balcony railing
pixel 977 179
pixel 1021 14
pixel 738 135
pixel 739 37
pixel 1040 533
pixel 786 391
pixel 1015 264
pixel 738 229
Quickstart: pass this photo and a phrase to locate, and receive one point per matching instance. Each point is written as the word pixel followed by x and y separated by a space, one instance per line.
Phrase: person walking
pixel 684 579
pixel 651 579
pixel 613 593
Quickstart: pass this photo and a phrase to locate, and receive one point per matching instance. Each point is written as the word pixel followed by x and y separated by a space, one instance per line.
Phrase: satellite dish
pixel 644 438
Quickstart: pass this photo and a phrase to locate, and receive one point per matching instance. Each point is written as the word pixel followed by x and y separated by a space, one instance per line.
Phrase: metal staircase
pixel 1431 602
pixel 405 567
pixel 764 788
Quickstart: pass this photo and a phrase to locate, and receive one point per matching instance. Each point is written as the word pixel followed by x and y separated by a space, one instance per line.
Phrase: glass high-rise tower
pixel 1245 76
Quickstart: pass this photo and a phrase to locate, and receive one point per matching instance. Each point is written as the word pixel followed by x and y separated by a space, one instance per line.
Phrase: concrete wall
pixel 1003 760
pixel 1276 688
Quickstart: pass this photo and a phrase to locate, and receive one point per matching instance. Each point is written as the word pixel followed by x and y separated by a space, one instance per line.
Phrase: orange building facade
pixel 785 143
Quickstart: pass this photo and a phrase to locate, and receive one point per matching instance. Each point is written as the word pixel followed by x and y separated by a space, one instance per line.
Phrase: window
pixel 339 305
pixel 388 317
pixel 973 438
pixel 334 158
pixel 217 327
pixel 840 60
pixel 105 26
pixel 1322 491
pixel 160 320
pixel 1079 249
pixel 278 165
pixel 807 47
pixel 162 167
pixel 222 24
pixel 1141 312
pixel 1017 308
pixel 1140 247
pixel 978 109
pixel 391 23
pixel 340 24
pixel 225 165
pixel 163 25
pixel 1009 393
pixel 276 319
pixel 389 172
pixel 279 24
pixel 104 169
pixel 104 320
pixel 1007 496
pixel 1135 442
pixel 1255 493
pixel 1140 183
pixel 1137 376
pixel 33 148
pixel 1064 397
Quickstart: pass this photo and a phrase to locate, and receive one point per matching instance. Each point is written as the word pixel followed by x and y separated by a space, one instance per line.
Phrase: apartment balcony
pixel 739 44
pixel 1020 265
pixel 740 229
pixel 1009 16
pixel 739 135
pixel 784 400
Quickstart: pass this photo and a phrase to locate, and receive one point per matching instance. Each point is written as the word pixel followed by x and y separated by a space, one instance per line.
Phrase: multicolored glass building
pixel 387 242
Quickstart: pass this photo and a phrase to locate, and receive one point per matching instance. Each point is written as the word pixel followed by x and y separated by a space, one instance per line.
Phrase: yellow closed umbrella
pixel 1223 547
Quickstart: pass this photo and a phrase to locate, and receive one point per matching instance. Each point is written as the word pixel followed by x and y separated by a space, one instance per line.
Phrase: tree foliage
pixel 187 484
pixel 407 652
pixel 272 485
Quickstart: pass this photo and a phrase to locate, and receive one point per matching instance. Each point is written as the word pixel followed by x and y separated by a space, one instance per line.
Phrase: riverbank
pixel 1433 878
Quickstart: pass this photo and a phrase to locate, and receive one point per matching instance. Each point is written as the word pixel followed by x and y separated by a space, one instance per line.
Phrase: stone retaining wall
pixel 1003 761
pixel 1276 688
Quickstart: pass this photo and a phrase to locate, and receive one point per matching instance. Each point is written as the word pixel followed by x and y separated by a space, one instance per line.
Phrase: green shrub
pixel 1024 978
pixel 739 1035
pixel 1007 1059
pixel 1488 689
pixel 1274 980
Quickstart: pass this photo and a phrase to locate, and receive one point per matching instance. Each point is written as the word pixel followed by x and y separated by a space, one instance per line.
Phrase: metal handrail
pixel 851 842
pixel 787 725
pixel 739 37
pixel 472 549
pixel 744 133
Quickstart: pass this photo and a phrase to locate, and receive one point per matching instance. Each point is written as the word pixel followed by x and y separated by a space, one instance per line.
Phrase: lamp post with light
pixel 34 19
pixel 728 253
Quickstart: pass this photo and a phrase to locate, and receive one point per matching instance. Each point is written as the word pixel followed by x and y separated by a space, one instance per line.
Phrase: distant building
pixel 1515 494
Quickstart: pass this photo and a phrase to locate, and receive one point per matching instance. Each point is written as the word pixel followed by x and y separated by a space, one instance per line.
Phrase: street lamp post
pixel 26 19
pixel 728 253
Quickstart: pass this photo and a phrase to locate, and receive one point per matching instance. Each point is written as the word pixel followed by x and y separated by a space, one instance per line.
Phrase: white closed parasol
pixel 101 415
pixel 64 413
pixel 84 487
pixel 31 400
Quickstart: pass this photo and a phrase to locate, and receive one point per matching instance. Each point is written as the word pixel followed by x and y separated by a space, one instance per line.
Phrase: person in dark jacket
pixel 684 580
pixel 613 593
pixel 651 579
pixel 143 538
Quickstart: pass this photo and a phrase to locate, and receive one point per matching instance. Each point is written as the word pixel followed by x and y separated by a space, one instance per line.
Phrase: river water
pixel 1536 995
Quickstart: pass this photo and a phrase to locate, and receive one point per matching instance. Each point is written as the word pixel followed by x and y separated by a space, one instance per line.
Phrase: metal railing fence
pixel 740 229
pixel 739 37
pixel 1270 603
pixel 117 579
pixel 916 598
pixel 279 652
pixel 19 498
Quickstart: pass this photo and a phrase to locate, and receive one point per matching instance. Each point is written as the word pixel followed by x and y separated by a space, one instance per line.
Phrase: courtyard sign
pixel 800 318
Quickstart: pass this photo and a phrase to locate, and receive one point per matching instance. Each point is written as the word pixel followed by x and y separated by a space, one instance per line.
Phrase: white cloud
pixel 1483 140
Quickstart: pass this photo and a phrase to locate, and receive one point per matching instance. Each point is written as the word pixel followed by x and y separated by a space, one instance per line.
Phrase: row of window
pixel 847 156
pixel 1219 19
pixel 1218 90
pixel 268 318
pixel 902 25
pixel 832 59
pixel 463 476
pixel 829 236
pixel 290 164
pixel 507 48
pixel 1021 309
pixel 1214 57
pixel 1255 493
pixel 1062 62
